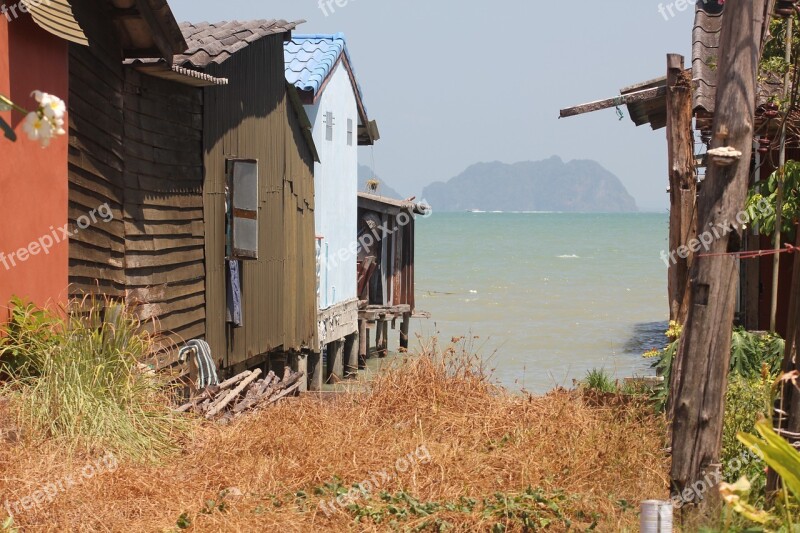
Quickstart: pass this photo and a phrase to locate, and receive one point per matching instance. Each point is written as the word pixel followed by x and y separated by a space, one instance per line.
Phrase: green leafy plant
pixel 762 201
pixel 599 380
pixel 77 378
pixel 784 459
pixel 30 332
pixel 751 351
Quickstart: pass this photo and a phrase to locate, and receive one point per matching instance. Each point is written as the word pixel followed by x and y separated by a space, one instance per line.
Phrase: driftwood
pixel 243 393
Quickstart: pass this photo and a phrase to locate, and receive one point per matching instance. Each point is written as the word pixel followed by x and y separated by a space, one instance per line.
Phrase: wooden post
pixel 380 337
pixel 335 361
pixel 706 342
pixel 316 378
pixel 385 343
pixel 404 327
pixel 300 364
pixel 682 195
pixel 351 349
pixel 790 397
pixel 363 343
pixel 682 183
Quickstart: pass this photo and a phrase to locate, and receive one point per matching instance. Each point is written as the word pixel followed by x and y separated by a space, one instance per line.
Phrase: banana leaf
pixel 781 456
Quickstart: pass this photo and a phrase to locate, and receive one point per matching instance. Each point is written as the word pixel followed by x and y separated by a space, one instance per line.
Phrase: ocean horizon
pixel 545 297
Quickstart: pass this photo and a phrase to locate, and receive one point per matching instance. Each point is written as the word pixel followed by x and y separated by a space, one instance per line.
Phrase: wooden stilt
pixel 335 361
pixel 380 337
pixel 351 349
pixel 404 327
pixel 385 346
pixel 315 372
pixel 301 365
pixel 363 343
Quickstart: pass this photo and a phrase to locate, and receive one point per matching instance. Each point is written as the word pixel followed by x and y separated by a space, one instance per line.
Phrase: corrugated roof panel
pixel 55 16
pixel 705 53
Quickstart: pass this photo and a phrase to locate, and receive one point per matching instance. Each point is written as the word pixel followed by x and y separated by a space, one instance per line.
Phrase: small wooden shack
pixel 385 269
pixel 256 161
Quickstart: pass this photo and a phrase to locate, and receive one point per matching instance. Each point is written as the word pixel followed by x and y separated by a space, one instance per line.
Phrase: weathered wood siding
pixel 136 145
pixel 96 88
pixel 163 203
pixel 252 118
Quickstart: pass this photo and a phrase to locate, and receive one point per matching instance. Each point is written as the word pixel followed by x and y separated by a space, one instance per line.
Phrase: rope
pixel 618 102
pixel 753 254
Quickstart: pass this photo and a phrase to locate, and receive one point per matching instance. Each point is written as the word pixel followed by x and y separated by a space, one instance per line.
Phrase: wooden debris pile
pixel 243 393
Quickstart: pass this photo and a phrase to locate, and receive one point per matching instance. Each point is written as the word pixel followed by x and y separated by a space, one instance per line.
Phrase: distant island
pixel 549 185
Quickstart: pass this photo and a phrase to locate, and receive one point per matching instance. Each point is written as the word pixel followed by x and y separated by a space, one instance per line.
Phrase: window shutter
pixel 349 132
pixel 328 126
pixel 245 209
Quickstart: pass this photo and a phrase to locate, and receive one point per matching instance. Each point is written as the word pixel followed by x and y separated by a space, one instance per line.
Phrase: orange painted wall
pixel 33 180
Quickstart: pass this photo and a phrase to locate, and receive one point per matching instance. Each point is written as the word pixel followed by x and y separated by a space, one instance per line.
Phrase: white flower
pixel 38 128
pixel 38 95
pixel 53 107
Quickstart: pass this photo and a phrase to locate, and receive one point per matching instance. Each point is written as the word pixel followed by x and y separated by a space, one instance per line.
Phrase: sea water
pixel 550 296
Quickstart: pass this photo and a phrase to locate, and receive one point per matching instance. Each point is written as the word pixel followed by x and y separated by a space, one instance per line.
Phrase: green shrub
pixel 747 400
pixel 77 378
pixel 599 380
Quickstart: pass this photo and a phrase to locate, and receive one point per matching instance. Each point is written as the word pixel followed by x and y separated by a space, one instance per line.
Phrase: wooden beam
pixel 706 342
pixel 630 98
pixel 682 182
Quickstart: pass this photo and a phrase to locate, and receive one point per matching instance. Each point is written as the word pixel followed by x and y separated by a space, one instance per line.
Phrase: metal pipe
pixel 776 261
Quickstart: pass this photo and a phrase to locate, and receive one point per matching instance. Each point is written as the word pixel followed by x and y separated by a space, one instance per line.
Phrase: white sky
pixel 452 83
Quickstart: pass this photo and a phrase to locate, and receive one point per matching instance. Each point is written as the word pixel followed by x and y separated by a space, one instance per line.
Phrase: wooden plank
pixel 630 98
pixel 167 229
pixel 179 256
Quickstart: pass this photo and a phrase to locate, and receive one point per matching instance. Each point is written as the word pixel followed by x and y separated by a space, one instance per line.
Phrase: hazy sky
pixel 452 83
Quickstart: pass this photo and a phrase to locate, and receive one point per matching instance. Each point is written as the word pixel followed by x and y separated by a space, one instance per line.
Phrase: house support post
pixel 682 184
pixel 316 378
pixel 404 327
pixel 706 342
pixel 351 349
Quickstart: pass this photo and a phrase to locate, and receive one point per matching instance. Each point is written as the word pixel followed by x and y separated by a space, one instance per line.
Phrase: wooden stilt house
pixel 385 269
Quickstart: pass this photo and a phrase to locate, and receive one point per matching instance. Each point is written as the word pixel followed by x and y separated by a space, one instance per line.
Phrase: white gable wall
pixel 336 189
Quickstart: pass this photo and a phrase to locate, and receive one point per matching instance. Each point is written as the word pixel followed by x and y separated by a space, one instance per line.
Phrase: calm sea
pixel 550 296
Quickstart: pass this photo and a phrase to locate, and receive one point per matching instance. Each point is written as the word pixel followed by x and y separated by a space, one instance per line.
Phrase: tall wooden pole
pixel 706 342
pixel 683 197
pixel 682 183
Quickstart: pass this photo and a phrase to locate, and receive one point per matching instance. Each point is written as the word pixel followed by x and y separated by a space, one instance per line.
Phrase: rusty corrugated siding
pixel 251 118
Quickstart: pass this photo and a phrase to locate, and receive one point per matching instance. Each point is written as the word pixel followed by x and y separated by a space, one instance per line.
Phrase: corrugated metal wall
pixel 252 118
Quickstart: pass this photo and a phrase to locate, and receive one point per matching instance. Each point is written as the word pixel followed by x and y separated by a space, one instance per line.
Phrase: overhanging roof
pixel 145 28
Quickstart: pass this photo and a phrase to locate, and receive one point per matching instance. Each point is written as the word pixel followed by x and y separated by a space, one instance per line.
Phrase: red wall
pixel 33 180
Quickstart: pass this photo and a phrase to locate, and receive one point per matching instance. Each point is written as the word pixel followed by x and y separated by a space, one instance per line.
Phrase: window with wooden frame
pixel 243 208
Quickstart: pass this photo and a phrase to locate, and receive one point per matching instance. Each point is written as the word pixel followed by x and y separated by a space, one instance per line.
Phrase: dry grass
pixel 594 460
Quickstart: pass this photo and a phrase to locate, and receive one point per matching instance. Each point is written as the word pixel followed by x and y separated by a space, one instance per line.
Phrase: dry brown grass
pixel 481 441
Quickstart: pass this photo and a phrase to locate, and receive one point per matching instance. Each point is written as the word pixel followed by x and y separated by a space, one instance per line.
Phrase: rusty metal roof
pixel 215 43
pixel 705 53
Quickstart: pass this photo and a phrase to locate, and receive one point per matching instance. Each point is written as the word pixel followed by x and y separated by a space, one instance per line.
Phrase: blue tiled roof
pixel 310 59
